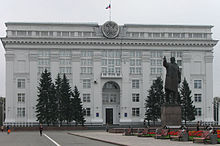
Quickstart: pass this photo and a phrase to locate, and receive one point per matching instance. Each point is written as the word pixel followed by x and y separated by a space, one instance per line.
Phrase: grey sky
pixel 196 12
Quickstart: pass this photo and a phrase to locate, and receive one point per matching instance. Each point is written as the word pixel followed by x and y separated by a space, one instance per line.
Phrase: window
pixel 65 34
pixel 50 33
pixel 21 33
pixel 156 62
pixel 135 112
pixel 153 70
pixel 112 98
pixel 156 35
pixel 29 33
pixel 13 32
pixel 132 70
pixel 43 62
pixel 44 53
pixel 197 84
pixel 182 35
pixel 111 62
pixel 190 35
pixel 198 97
pixel 58 33
pixel 198 112
pixel 125 114
pixel 179 62
pixel 44 33
pixel 87 112
pixel 87 34
pixel 135 97
pixel 21 83
pixel 138 62
pixel 65 53
pixel 176 35
pixel 86 83
pixel 86 53
pixel 159 62
pixel 86 97
pixel 105 98
pixel 21 112
pixel 65 62
pixel 138 70
pixel 104 62
pixel 135 84
pixel 66 70
pixel 21 97
pixel 153 62
pixel 159 70
pixel 42 69
pixel 135 62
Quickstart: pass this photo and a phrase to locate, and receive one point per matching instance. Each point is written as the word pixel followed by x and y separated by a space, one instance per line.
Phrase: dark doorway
pixel 109 116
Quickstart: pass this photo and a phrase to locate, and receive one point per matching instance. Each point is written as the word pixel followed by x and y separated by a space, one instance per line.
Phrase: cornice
pixel 111 42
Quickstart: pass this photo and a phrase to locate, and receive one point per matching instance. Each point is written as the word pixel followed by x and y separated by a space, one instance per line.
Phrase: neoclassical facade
pixel 112 65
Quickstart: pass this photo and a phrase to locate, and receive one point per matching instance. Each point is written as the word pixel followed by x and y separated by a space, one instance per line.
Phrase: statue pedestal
pixel 171 115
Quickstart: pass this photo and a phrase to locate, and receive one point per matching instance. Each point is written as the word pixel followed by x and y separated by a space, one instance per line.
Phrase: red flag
pixel 108 7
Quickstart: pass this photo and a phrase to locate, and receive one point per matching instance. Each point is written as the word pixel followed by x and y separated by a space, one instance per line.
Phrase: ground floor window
pixel 87 111
pixel 136 112
pixel 198 111
pixel 20 112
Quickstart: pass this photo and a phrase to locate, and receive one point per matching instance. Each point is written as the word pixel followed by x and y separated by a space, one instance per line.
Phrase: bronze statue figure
pixel 173 78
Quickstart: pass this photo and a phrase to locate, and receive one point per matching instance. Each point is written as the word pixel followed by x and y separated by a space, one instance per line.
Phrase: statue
pixel 173 78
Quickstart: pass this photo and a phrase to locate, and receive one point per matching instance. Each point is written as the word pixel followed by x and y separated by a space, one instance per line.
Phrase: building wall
pixel 28 43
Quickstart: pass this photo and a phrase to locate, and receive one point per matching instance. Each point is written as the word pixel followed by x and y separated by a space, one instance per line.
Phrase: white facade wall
pixel 22 62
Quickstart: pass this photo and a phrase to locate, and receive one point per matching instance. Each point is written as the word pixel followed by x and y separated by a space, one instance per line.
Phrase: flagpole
pixel 110 11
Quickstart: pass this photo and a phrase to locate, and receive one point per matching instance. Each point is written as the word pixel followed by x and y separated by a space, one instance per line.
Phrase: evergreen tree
pixel 65 102
pixel 77 108
pixel 44 95
pixel 52 107
pixel 154 101
pixel 58 95
pixel 188 109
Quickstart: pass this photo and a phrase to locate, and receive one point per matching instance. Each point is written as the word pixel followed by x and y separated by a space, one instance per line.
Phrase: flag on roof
pixel 108 7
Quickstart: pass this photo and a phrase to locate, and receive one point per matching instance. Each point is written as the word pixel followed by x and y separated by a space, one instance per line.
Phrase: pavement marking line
pixel 52 140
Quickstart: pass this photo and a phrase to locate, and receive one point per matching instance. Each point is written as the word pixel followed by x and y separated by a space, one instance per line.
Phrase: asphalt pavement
pixel 49 138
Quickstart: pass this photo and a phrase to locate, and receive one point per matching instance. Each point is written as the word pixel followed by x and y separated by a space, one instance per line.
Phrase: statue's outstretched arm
pixel 164 61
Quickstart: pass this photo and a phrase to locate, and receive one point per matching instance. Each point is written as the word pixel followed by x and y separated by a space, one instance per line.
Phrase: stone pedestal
pixel 171 115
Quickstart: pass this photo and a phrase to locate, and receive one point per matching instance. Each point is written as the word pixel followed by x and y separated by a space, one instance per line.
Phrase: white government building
pixel 112 65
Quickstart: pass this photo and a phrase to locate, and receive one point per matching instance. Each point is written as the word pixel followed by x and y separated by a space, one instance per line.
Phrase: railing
pixel 111 75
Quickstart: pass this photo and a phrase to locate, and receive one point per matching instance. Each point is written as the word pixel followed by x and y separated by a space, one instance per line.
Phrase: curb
pixel 97 139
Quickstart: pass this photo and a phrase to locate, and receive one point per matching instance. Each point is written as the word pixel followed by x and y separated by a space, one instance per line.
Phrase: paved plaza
pixel 82 138
pixel 132 140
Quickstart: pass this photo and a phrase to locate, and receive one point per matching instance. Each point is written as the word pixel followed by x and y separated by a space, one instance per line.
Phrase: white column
pixel 209 87
pixel 10 88
pixel 125 101
pixel 96 106
pixel 33 84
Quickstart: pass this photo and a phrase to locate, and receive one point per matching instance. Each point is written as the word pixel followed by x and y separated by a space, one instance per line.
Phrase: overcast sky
pixel 196 12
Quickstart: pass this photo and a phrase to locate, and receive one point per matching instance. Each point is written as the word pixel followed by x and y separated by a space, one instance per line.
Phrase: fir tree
pixel 77 108
pixel 52 110
pixel 188 109
pixel 154 101
pixel 58 95
pixel 65 102
pixel 44 95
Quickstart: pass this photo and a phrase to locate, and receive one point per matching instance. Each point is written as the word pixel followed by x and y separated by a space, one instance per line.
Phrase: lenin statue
pixel 173 78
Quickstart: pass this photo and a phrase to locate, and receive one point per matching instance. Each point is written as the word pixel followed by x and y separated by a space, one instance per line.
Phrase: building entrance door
pixel 109 116
pixel 111 103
